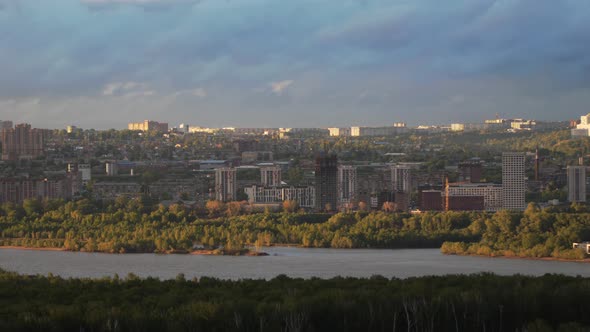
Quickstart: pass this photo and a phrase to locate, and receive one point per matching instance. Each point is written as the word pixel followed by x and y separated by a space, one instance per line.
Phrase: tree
pixel 389 207
pixel 290 206
pixel 214 207
pixel 32 206
pixel 233 209
pixel 363 206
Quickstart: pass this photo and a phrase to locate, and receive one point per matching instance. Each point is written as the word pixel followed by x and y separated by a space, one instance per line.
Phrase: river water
pixel 294 262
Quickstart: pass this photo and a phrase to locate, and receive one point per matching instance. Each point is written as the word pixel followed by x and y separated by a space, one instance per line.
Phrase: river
pixel 294 262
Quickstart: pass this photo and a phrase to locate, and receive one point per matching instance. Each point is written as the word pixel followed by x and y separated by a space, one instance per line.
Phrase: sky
pixel 292 63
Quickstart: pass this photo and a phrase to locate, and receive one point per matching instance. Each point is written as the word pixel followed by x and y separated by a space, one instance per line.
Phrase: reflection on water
pixel 294 262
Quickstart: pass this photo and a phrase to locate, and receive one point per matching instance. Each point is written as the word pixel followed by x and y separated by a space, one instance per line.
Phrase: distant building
pixel 401 179
pixel 253 156
pixel 225 184
pixel 71 129
pixel 473 197
pixel 183 128
pixel 576 184
pixel 84 172
pixel 513 180
pixel 468 126
pixel 377 131
pixel 111 168
pixel 431 200
pixel 270 176
pixel 22 142
pixel 148 125
pixel 17 190
pixel 304 195
pixel 326 178
pixel 470 171
pixel 6 125
pixel 339 132
pixel 347 186
pixel 520 124
pixel 583 128
pixel 110 190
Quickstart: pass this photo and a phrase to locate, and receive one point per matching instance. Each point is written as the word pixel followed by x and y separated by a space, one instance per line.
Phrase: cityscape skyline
pixel 296 64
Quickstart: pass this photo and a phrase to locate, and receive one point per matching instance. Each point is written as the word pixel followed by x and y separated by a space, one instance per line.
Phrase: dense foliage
pixel 481 302
pixel 534 233
pixel 129 226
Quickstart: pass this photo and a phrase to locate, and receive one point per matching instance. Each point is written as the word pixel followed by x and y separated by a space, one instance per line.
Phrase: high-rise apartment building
pixel 401 178
pixel 5 124
pixel 347 186
pixel 270 176
pixel 148 125
pixel 21 142
pixel 513 180
pixel 470 171
pixel 576 183
pixel 326 176
pixel 225 184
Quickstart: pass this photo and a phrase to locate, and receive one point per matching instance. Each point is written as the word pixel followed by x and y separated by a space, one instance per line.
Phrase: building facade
pixel 270 176
pixel 17 190
pixel 326 178
pixel 461 195
pixel 148 125
pixel 576 184
pixel 347 186
pixel 377 131
pixel 401 178
pixel 22 142
pixel 225 184
pixel 513 180
pixel 303 195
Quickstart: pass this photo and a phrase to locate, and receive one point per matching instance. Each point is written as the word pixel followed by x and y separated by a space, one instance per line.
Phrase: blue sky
pixel 302 63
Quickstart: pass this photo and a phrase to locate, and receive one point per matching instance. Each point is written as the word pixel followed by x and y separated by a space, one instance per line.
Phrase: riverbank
pixel 550 259
pixel 32 248
pixel 204 252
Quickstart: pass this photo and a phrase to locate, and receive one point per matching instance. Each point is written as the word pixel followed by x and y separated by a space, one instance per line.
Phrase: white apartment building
pixel 583 129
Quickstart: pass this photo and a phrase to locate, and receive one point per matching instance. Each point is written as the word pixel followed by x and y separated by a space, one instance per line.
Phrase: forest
pixel 133 225
pixel 533 234
pixel 481 302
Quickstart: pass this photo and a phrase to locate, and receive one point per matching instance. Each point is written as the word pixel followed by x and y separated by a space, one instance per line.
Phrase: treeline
pixel 534 233
pixel 129 226
pixel 482 302
pixel 126 226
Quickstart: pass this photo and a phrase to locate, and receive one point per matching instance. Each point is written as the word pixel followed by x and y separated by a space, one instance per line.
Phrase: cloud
pixel 370 60
pixel 197 92
pixel 279 87
pixel 127 89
